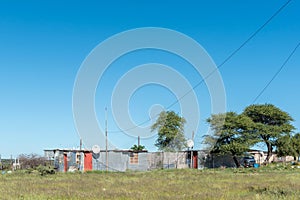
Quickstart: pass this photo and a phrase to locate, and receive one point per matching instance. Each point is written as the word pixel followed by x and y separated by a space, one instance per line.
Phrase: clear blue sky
pixel 43 43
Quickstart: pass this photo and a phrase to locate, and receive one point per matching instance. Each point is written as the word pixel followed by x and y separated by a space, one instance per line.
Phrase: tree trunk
pixel 237 163
pixel 269 145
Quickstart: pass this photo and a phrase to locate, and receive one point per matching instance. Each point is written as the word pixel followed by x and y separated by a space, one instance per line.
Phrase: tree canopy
pixel 296 145
pixel 262 123
pixel 170 128
pixel 231 134
pixel 288 145
pixel 270 124
pixel 138 147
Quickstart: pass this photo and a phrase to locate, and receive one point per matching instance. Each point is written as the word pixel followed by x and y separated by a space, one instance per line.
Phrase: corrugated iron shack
pixel 84 160
pixel 121 160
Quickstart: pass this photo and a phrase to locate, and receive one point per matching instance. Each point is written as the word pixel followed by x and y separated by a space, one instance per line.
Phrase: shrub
pixel 31 161
pixel 44 170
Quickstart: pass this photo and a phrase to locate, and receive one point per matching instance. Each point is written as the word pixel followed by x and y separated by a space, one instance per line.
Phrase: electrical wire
pixel 217 68
pixel 277 72
pixel 232 54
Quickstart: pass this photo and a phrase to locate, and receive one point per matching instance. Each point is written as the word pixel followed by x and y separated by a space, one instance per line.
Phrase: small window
pixel 134 158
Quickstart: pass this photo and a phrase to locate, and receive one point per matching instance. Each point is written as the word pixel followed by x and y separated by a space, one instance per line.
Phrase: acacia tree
pixel 231 135
pixel 170 128
pixel 270 124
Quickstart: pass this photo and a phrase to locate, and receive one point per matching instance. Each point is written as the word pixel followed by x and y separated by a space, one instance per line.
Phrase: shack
pixel 65 160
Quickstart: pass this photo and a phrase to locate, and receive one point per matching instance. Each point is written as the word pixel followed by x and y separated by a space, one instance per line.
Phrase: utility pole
pixel 106 150
pixel 192 152
pixel 193 135
pixel 139 142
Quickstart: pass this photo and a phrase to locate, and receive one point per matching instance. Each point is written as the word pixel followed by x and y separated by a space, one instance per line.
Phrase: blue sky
pixel 43 44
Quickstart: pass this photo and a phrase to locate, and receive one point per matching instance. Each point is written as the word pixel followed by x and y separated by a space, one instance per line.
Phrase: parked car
pixel 249 161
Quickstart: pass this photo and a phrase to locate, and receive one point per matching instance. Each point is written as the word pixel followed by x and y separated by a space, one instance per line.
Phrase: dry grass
pixel 162 184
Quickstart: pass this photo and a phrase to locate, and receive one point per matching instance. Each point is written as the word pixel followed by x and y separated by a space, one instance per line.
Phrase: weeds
pixel 268 183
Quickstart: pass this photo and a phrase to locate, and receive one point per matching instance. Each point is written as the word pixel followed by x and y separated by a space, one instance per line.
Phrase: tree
pixel 137 147
pixel 296 145
pixel 270 124
pixel 170 128
pixel 231 134
pixel 284 146
pixel 288 145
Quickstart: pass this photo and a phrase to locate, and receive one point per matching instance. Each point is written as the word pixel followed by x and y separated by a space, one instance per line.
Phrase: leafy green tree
pixel 288 146
pixel 284 146
pixel 270 124
pixel 137 147
pixel 170 128
pixel 296 145
pixel 231 135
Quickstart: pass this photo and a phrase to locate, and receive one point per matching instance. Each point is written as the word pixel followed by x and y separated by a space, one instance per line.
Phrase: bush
pixel 31 161
pixel 44 170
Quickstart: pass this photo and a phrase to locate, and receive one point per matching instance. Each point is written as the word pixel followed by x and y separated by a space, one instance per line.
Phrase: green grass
pixel 264 183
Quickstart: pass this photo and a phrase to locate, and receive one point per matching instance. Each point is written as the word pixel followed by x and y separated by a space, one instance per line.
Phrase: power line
pixel 233 53
pixel 218 67
pixel 276 74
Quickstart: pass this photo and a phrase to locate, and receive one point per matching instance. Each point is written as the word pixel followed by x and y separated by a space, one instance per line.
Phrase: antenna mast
pixel 106 150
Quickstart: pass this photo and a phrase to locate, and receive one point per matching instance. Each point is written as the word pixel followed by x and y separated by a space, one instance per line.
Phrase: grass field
pixel 262 183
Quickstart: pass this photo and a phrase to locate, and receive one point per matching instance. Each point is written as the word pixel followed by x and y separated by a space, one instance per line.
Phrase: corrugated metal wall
pixel 120 160
pixel 167 160
pixel 117 161
pixel 142 165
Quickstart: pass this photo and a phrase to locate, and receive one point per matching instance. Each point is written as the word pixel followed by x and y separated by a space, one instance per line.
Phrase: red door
pixel 65 162
pixel 88 161
pixel 195 160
